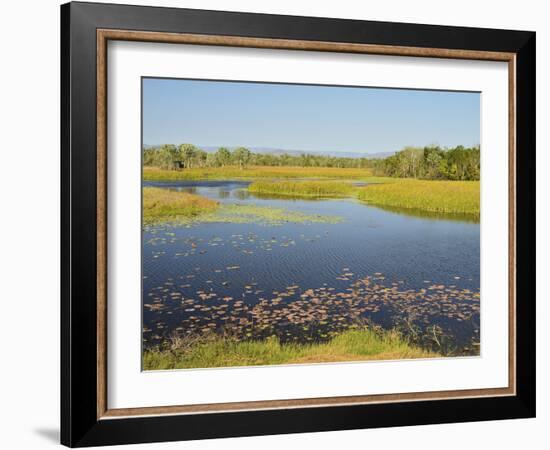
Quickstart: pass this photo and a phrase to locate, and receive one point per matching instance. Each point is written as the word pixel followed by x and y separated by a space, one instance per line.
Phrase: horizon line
pixel 266 147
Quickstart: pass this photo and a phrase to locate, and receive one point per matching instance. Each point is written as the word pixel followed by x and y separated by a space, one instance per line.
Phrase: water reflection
pixel 472 218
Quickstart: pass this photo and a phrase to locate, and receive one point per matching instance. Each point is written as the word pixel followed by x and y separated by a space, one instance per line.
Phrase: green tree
pixel 241 156
pixel 223 156
pixel 200 158
pixel 212 160
pixel 188 152
pixel 432 160
pixel 166 157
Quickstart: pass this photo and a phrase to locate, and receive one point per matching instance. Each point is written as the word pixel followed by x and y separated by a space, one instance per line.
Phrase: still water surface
pixel 212 275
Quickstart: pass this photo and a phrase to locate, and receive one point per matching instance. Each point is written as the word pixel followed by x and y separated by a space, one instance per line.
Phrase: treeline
pixel 173 157
pixel 432 163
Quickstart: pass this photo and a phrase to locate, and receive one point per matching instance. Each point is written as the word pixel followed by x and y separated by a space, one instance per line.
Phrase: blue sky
pixel 302 117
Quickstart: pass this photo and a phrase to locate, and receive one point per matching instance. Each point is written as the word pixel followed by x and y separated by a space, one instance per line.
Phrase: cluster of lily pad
pixel 247 243
pixel 307 315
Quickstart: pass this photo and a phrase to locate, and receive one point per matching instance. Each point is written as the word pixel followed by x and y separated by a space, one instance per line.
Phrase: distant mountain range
pixel 277 151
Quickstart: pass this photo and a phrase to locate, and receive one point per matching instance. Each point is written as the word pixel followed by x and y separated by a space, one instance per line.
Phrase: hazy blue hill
pixel 292 152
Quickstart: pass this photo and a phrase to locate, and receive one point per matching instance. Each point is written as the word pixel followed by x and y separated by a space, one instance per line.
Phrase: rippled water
pixel 190 272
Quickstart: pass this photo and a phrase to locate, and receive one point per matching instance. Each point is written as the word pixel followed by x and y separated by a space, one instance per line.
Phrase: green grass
pixel 441 197
pixel 165 205
pixel 457 197
pixel 252 172
pixel 215 351
pixel 324 188
pixel 431 196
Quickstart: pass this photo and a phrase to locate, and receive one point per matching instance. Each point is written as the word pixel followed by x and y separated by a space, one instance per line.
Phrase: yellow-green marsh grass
pixel 252 172
pixel 460 197
pixel 325 188
pixel 163 204
pixel 352 345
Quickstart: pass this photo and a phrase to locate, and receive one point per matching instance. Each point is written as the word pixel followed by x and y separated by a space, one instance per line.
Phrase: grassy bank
pixel 303 188
pixel 458 197
pixel 353 345
pixel 252 172
pixel 449 197
pixel 164 205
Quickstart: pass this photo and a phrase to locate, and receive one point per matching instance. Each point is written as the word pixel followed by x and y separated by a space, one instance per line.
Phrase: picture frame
pixel 86 29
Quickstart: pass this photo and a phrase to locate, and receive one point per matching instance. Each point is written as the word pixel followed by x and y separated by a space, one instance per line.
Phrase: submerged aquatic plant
pixel 178 208
pixel 237 213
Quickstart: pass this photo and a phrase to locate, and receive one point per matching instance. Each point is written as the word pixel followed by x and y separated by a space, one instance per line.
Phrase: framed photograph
pixel 277 224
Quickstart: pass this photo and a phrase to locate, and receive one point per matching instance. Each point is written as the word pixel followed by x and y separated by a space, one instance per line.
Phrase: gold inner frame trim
pixel 103 36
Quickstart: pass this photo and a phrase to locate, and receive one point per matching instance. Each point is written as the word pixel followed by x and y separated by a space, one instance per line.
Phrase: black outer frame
pixel 79 423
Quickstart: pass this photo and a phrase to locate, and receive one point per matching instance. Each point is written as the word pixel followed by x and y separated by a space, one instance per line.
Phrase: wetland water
pixel 304 282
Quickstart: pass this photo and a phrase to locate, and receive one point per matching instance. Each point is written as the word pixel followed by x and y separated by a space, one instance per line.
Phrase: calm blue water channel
pixel 385 267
